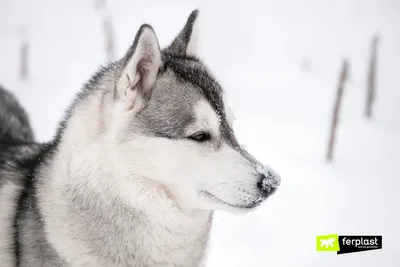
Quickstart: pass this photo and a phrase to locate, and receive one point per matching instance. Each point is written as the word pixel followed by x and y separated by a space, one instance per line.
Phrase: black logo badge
pixel 353 243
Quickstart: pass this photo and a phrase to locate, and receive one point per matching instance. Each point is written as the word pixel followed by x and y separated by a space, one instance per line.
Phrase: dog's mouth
pixel 219 201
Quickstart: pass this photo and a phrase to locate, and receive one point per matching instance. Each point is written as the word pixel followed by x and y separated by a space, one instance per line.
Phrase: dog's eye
pixel 200 137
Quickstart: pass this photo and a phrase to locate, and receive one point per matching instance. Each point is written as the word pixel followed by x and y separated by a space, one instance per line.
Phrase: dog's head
pixel 171 130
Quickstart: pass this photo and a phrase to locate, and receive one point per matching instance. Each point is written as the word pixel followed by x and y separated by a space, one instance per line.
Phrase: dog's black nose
pixel 269 182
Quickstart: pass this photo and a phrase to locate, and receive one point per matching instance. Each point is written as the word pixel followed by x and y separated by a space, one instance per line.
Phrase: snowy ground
pixel 255 48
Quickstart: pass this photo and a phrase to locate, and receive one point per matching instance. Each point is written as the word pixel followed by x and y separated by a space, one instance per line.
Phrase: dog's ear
pixel 141 65
pixel 186 43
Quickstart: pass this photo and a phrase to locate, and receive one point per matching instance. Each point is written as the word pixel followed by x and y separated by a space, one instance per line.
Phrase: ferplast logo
pixel 328 243
pixel 349 243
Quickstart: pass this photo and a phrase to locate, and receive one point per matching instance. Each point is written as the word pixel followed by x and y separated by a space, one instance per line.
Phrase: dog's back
pixel 15 128
pixel 16 151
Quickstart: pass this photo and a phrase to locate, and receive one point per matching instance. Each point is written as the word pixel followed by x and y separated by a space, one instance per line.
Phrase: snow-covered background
pixel 256 49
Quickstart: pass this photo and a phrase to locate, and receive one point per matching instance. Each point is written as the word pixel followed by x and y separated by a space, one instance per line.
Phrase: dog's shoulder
pixel 17 161
pixel 17 166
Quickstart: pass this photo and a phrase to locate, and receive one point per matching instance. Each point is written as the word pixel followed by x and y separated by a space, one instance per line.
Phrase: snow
pixel 279 61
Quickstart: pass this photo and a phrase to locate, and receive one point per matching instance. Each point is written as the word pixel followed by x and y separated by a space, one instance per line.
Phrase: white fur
pixel 206 120
pixel 183 168
pixel 229 112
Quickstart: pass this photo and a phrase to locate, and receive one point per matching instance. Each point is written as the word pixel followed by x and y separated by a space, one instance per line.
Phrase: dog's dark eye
pixel 200 137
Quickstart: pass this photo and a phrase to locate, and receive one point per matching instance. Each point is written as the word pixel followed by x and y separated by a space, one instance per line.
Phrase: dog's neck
pixel 87 224
pixel 91 220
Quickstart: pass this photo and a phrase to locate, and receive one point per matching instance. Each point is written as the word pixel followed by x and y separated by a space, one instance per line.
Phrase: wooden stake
pixel 335 115
pixel 24 60
pixel 371 87
pixel 23 52
pixel 109 39
pixel 100 4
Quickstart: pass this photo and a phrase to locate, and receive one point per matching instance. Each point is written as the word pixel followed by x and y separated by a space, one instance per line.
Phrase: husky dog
pixel 143 157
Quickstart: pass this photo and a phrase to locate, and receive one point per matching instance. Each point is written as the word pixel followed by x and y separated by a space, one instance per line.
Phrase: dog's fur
pixel 144 155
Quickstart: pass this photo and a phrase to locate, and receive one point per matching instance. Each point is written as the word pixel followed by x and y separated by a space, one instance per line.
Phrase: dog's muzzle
pixel 269 181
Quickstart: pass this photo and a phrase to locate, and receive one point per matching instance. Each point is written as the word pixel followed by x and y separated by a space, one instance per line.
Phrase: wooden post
pixel 109 38
pixel 371 87
pixel 100 4
pixel 335 115
pixel 23 53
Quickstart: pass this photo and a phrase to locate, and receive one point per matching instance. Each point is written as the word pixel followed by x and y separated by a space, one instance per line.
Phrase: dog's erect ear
pixel 141 65
pixel 186 42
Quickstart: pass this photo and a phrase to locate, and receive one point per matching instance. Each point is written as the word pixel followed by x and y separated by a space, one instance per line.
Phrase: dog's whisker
pixel 216 185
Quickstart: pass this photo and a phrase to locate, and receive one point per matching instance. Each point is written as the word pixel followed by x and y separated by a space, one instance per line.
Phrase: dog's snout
pixel 269 181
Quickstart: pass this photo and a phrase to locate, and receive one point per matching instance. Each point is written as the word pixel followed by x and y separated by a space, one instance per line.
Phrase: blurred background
pixel 281 63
